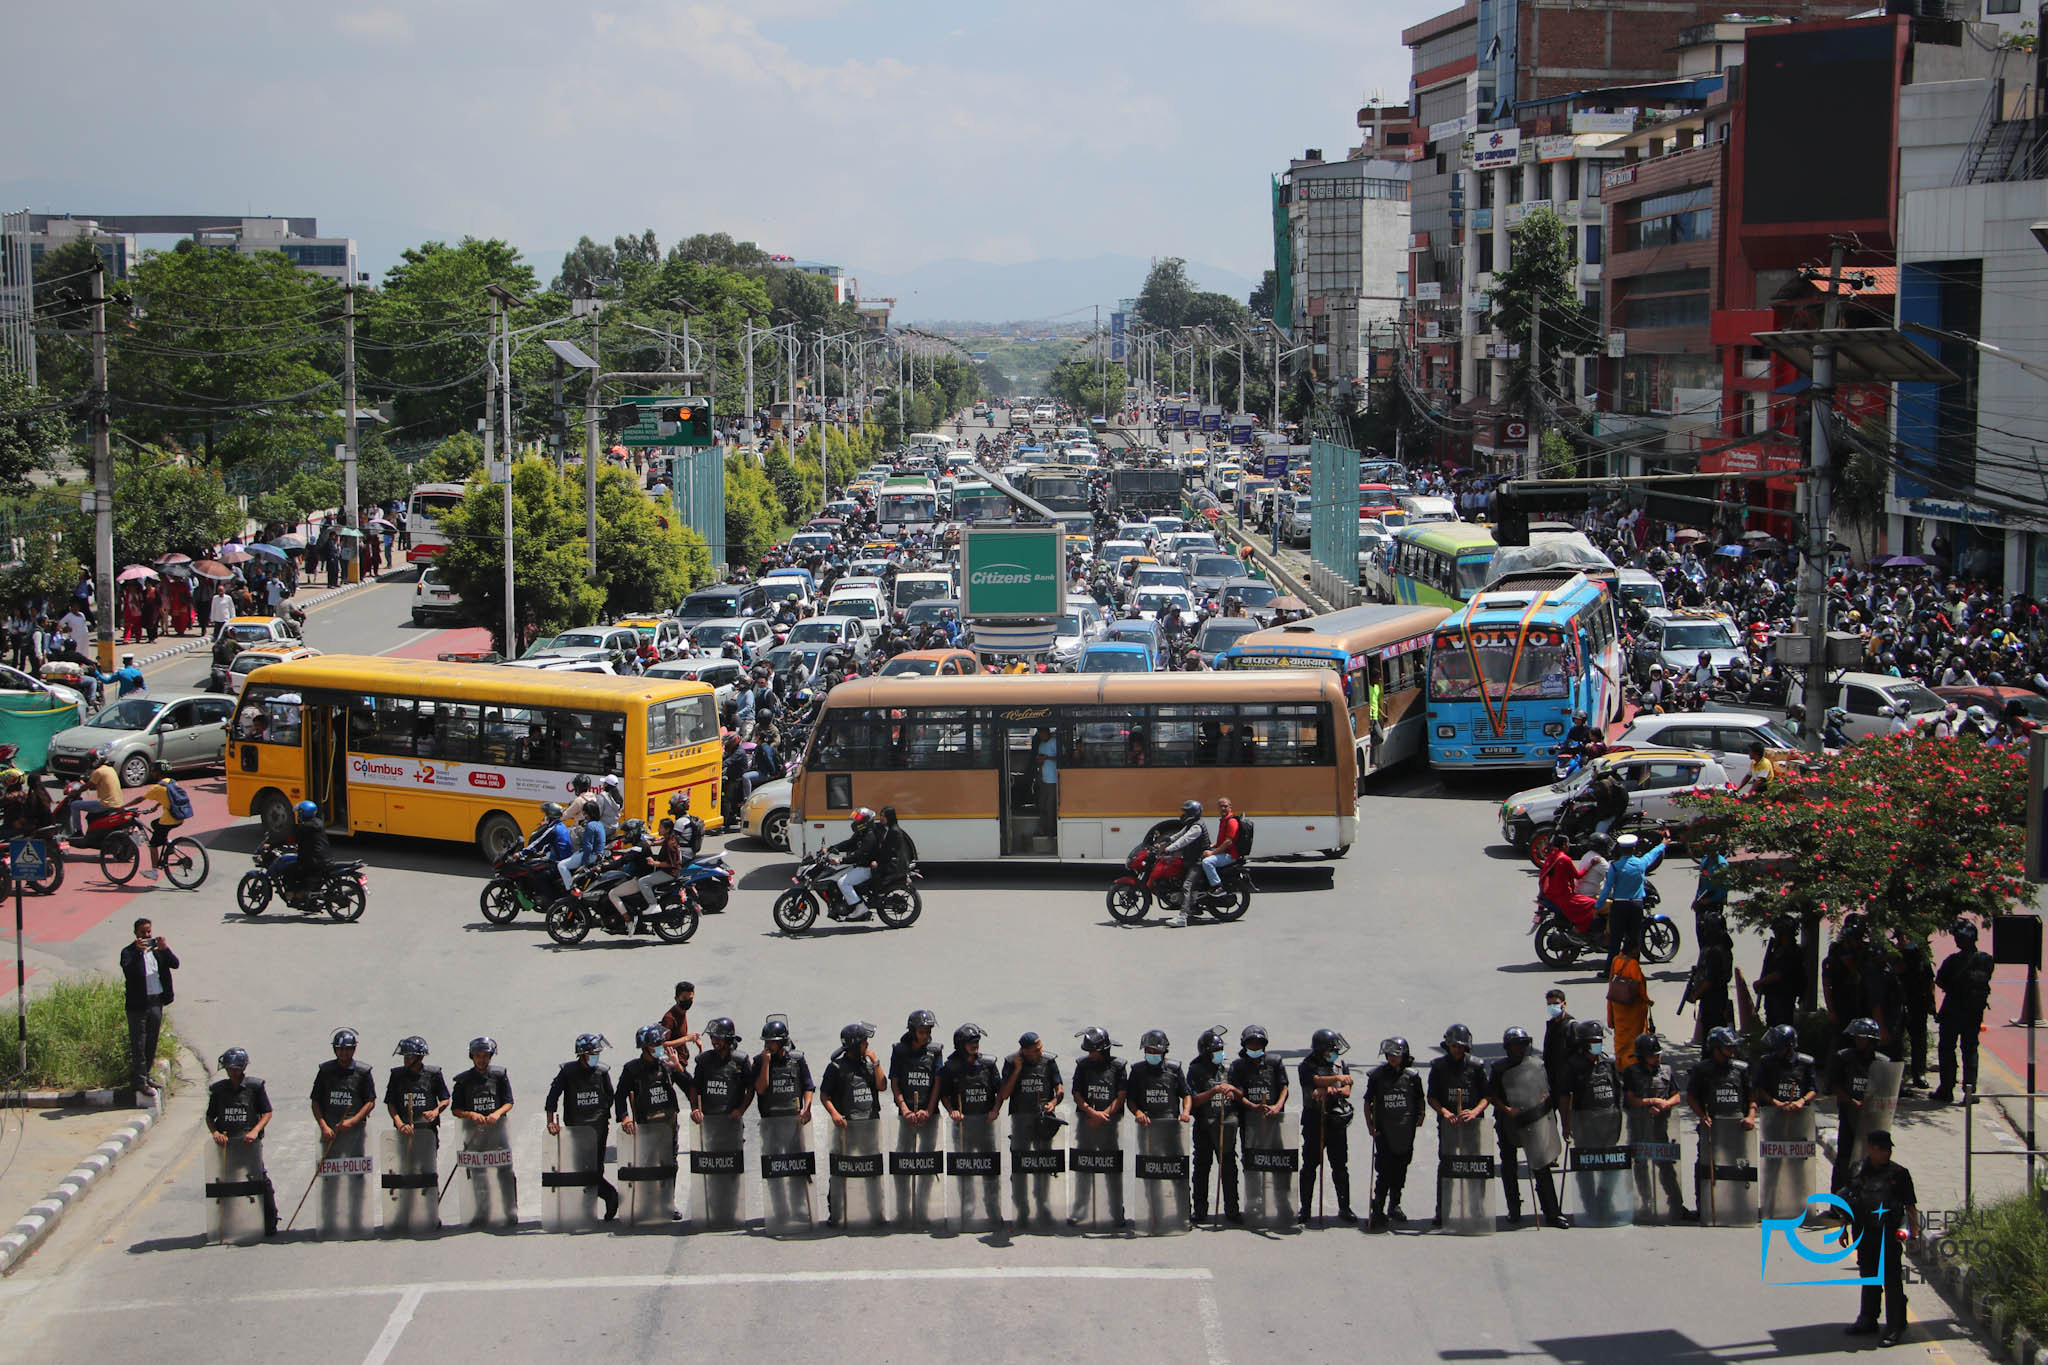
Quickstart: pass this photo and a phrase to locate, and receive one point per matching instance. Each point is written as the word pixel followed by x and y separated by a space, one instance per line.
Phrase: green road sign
pixel 1013 571
pixel 666 420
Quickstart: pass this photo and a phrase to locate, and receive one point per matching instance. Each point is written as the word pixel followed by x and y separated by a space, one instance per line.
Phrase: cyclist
pixel 169 798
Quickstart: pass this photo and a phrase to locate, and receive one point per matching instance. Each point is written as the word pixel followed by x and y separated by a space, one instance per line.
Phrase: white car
pixel 766 814
pixel 847 632
pixel 866 604
pixel 1655 779
pixel 716 671
pixel 1726 735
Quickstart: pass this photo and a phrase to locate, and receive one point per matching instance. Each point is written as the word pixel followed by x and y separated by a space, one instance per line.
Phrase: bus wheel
pixel 275 812
pixel 497 835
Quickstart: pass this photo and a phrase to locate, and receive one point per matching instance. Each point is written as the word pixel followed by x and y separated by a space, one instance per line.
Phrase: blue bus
pixel 1508 669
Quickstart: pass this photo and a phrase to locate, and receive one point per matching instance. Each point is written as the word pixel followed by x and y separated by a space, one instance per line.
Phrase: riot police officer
pixel 851 1092
pixel 1457 1091
pixel 968 1082
pixel 1880 1194
pixel 1783 1077
pixel 1326 1120
pixel 582 1091
pixel 1033 1089
pixel 482 1094
pixel 1712 972
pixel 1508 1122
pixel 1592 1084
pixel 1213 1100
pixel 722 1083
pixel 914 1062
pixel 1965 981
pixel 414 1093
pixel 782 1075
pixel 1100 1083
pixel 344 1092
pixel 651 1088
pixel 1393 1109
pixel 1648 1089
pixel 1849 1077
pixel 238 1110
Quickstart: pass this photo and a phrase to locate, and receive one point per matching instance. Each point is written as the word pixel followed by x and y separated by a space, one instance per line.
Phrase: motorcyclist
pixel 859 852
pixel 309 838
pixel 552 838
pixel 1559 885
pixel 634 854
pixel 1179 839
pixel 1577 738
pixel 1833 735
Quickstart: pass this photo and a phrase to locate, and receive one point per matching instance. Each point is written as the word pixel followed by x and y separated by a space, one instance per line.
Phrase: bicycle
pixel 182 860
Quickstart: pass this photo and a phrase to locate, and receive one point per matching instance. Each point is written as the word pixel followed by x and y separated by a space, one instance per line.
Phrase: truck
pixel 1144 490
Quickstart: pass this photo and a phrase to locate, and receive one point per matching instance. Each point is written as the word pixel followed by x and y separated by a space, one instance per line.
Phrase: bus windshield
pixel 1474 572
pixel 1537 664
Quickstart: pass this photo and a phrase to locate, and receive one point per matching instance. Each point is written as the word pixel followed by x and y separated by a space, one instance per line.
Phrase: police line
pixel 1210 1139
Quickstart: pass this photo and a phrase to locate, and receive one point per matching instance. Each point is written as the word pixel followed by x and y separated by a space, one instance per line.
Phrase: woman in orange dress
pixel 1628 1004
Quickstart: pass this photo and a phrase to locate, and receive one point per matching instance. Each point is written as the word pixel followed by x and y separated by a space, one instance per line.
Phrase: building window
pixel 1571 180
pixel 1485 252
pixel 1594 233
pixel 1669 219
pixel 2001 6
pixel 1649 382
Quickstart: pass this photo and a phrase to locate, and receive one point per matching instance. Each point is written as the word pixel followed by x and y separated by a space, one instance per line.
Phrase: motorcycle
pixel 99 826
pixel 812 888
pixel 343 893
pixel 707 880
pixel 1151 875
pixel 1558 944
pixel 524 879
pixel 673 916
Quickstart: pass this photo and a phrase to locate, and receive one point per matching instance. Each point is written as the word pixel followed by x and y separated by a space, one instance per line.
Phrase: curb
pixel 32 1227
pixel 72 1099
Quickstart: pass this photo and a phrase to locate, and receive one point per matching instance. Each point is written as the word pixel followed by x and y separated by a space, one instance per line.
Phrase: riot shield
pixel 1788 1147
pixel 486 1190
pixel 787 1165
pixel 915 1167
pixel 1880 1105
pixel 411 1181
pixel 1603 1184
pixel 1269 1173
pixel 857 1175
pixel 1726 1174
pixel 1464 1178
pixel 344 1179
pixel 1037 1170
pixel 1527 1086
pixel 236 1183
pixel 976 1167
pixel 647 1174
pixel 569 1198
pixel 1653 1162
pixel 1097 1163
pixel 1162 1169
pixel 719 1162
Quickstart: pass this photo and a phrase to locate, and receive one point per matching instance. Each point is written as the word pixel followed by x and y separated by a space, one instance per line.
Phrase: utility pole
pixel 1814 577
pixel 1535 386
pixel 502 302
pixel 1276 377
pixel 102 474
pixel 490 422
pixel 561 431
pixel 352 546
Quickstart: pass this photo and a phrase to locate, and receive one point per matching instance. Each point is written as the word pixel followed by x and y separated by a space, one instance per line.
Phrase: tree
pixel 646 563
pixel 1540 280
pixel 751 522
pixel 1075 380
pixel 420 339
pixel 162 505
pixel 1263 295
pixel 33 429
pixel 458 459
pixel 46 570
pixel 1169 299
pixel 1556 458
pixel 584 262
pixel 551 593
pixel 1913 832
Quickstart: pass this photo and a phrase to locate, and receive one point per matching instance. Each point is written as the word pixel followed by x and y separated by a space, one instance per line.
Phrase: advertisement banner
pixel 1557 148
pixel 1212 418
pixel 1496 150
pixel 1013 571
pixel 1623 122
pixel 390 770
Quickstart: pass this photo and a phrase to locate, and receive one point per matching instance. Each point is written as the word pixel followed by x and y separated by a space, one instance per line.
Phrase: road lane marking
pixel 394 1326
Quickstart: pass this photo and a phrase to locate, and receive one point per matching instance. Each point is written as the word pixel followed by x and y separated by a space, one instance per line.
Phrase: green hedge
pixel 78 1036
pixel 2008 1244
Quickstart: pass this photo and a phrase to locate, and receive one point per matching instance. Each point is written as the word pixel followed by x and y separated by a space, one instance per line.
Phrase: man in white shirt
pixel 79 630
pixel 223 609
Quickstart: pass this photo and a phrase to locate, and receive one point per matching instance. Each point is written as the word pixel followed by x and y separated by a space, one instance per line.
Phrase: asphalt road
pixel 1425 922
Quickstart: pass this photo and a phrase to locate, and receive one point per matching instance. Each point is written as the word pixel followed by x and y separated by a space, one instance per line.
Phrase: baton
pixel 324 1153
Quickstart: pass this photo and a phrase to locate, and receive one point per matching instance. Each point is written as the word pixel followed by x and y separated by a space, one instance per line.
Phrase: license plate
pixel 443 593
pixel 1499 751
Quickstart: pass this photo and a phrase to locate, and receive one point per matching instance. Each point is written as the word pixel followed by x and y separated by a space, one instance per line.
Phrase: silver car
pixel 184 729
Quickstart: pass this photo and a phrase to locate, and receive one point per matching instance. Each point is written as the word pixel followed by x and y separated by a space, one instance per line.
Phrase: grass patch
pixel 78 1036
pixel 2009 1253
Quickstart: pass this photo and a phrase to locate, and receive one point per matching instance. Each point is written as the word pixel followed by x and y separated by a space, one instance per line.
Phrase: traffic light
pixel 692 422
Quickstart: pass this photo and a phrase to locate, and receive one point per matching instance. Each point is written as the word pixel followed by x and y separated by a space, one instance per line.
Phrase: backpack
pixel 176 801
pixel 1244 839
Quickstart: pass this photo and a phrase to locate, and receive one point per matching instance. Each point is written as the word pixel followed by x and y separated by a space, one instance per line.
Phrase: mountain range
pixel 1063 290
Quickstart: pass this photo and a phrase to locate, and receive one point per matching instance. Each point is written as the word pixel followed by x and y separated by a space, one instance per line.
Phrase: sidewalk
pixel 198 640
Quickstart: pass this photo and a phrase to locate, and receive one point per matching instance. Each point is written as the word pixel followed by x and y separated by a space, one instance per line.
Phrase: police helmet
pixel 235 1059
pixel 679 804
pixel 968 1033
pixel 343 1037
pixel 1647 1045
pixel 722 1028
pixel 1190 810
pixel 1396 1046
pixel 1721 1037
pixel 1515 1034
pixel 580 783
pixel 1328 1040
pixel 410 1046
pixel 1458 1035
pixel 853 1033
pixel 775 1029
pixel 649 1035
pixel 305 810
pixel 1212 1038
pixel 1254 1035
pixel 1095 1038
pixel 550 811
pixel 1154 1040
pixel 633 829
pixel 921 1019
pixel 588 1043
pixel 1963 931
pixel 1579 717
pixel 1781 1037
pixel 1586 1031
pixel 1862 1028
pixel 485 1044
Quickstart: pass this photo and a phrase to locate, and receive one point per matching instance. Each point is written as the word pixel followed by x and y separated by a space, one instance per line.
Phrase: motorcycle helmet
pixel 343 1037
pixel 722 1029
pixel 853 1033
pixel 862 816
pixel 1190 810
pixel 1720 1037
pixel 551 811
pixel 1515 1035
pixel 633 831
pixel 967 1033
pixel 235 1059
pixel 1254 1036
pixel 1396 1046
pixel 1154 1040
pixel 1862 1028
pixel 589 1043
pixel 1213 1037
pixel 649 1035
pixel 1781 1038
pixel 1458 1035
pixel 411 1046
pixel 486 1044
pixel 1647 1046
pixel 1328 1040
pixel 580 783
pixel 1587 1031
pixel 614 784
pixel 1094 1038
pixel 775 1029
pixel 305 810
pixel 679 804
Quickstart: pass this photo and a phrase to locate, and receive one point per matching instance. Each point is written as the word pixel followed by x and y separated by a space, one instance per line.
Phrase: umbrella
pixel 1903 562
pixel 173 560
pixel 1288 604
pixel 379 524
pixel 289 542
pixel 1758 535
pixel 348 533
pixel 227 545
pixel 1689 534
pixel 1732 551
pixel 271 550
pixel 136 573
pixel 234 556
pixel 209 568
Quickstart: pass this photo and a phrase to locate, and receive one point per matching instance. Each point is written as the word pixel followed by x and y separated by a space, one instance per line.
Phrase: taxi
pixel 238 633
pixel 665 633
pixel 249 660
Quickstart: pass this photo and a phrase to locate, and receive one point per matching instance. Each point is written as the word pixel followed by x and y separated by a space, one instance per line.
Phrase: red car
pixel 1994 700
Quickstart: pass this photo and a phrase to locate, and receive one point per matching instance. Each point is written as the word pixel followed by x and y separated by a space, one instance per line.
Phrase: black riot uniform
pixel 1648 1080
pixel 1849 1075
pixel 231 1111
pixel 1100 1081
pixel 481 1092
pixel 1880 1197
pixel 1965 981
pixel 1916 983
pixel 651 1090
pixel 340 1089
pixel 1721 1090
pixel 1592 1082
pixel 1325 1132
pixel 1206 1074
pixel 721 1086
pixel 915 1071
pixel 1782 1079
pixel 849 1087
pixel 582 1090
pixel 1393 1111
pixel 1507 1131
pixel 969 1084
pixel 789 1080
pixel 413 1093
pixel 1455 1084
pixel 1032 1086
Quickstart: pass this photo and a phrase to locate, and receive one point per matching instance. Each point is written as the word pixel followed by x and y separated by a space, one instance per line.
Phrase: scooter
pixel 813 888
pixel 1151 875
pixel 707 880
pixel 1558 944
pixel 673 916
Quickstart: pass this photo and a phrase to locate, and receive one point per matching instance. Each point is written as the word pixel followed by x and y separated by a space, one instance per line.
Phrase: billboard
pixel 1496 150
pixel 1836 88
pixel 1013 572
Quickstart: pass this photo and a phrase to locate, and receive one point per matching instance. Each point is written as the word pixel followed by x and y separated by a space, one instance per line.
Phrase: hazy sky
pixel 879 136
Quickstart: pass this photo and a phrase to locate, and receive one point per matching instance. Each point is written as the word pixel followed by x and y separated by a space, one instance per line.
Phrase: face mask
pixel 1255 1053
pixel 1597 1048
pixel 1216 1057
pixel 1555 1009
pixel 590 1060
pixel 1155 1056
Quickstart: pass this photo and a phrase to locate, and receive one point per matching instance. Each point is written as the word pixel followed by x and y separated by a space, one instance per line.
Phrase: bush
pixel 2009 1252
pixel 78 1036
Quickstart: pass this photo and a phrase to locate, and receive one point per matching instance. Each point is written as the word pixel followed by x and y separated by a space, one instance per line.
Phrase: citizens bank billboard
pixel 1013 572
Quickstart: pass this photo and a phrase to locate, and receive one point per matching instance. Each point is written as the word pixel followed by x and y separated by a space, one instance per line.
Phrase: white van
pixel 917 587
pixel 1421 510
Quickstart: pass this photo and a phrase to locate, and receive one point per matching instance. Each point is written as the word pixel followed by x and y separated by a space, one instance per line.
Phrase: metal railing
pixel 1971 1151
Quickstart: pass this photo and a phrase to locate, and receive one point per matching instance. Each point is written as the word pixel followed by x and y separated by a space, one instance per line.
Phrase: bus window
pixel 269 715
pixel 577 738
pixel 1176 735
pixel 858 741
pixel 1283 735
pixel 1451 675
pixel 455 731
pixel 681 723
pixel 381 725
pixel 942 739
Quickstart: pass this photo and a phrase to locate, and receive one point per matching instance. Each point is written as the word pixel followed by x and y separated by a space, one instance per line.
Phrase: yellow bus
pixel 1380 652
pixel 962 760
pixel 461 752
